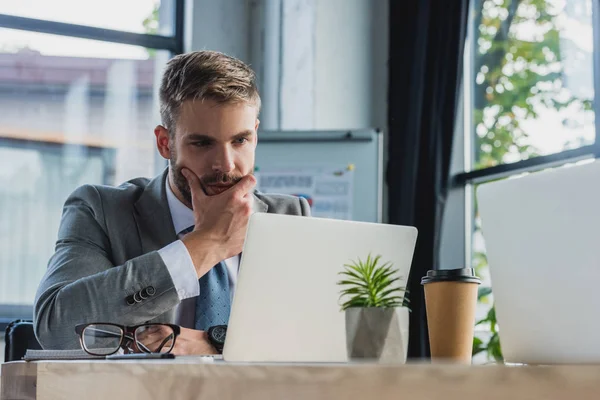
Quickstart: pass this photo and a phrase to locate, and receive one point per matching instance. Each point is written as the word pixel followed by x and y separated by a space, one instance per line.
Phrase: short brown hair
pixel 205 75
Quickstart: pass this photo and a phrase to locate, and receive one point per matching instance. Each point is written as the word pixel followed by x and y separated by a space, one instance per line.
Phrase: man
pixel 167 249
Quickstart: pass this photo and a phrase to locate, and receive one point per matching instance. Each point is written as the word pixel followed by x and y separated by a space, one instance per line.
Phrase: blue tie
pixel 214 302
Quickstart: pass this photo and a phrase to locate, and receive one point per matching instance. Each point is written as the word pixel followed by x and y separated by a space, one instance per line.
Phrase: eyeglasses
pixel 103 339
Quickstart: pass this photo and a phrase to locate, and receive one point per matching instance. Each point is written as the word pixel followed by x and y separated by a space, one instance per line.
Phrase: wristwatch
pixel 216 336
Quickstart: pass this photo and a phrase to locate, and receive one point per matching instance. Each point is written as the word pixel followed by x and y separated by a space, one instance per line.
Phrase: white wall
pixel 298 66
pixel 333 54
pixel 221 25
pixel 343 64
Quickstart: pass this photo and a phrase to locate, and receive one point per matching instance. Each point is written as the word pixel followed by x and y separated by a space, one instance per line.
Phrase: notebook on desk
pixel 41 355
pixel 60 355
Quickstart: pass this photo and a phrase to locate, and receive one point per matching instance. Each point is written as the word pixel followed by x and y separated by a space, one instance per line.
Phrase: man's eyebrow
pixel 199 137
pixel 193 137
pixel 243 134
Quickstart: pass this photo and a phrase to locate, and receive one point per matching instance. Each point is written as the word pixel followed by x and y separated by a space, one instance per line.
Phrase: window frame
pixel 472 177
pixel 173 43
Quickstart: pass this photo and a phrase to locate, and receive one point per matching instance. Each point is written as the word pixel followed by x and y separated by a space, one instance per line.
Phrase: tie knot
pixel 186 230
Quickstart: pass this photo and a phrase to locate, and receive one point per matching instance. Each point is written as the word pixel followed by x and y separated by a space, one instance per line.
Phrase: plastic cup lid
pixel 451 275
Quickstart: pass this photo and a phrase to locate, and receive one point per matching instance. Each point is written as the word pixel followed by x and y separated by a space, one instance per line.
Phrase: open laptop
pixel 286 305
pixel 542 236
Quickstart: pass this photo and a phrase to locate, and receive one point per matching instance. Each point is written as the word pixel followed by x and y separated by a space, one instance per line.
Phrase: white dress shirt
pixel 177 258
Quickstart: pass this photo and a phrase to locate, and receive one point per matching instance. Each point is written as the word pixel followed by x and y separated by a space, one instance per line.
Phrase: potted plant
pixel 376 311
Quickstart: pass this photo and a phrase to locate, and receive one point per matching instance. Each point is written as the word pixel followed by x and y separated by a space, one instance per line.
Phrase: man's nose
pixel 223 161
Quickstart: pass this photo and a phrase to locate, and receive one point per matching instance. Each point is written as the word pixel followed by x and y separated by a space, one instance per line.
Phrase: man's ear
pixel 162 141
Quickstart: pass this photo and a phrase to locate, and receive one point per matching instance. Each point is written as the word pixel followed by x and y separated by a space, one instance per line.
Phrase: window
pixel 529 105
pixel 78 106
pixel 139 16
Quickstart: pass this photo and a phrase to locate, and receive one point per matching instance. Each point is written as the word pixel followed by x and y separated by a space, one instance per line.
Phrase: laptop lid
pixel 286 304
pixel 541 234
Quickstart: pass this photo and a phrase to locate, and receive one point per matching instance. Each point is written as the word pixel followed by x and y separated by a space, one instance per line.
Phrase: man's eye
pixel 241 140
pixel 201 144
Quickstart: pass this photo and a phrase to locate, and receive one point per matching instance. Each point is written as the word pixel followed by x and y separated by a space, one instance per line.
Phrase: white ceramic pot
pixel 377 334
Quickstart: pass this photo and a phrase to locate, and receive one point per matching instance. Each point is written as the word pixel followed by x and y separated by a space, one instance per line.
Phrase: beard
pixel 206 180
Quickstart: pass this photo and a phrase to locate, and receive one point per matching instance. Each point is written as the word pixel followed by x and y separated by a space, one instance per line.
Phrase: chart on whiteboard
pixel 328 190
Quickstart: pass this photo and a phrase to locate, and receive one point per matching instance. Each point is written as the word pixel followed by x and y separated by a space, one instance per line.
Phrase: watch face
pixel 219 333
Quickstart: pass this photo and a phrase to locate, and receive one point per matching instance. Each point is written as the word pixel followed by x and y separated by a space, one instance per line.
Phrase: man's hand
pixel 189 341
pixel 220 222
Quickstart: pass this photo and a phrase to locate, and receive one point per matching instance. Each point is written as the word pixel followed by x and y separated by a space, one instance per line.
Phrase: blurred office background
pixel 464 91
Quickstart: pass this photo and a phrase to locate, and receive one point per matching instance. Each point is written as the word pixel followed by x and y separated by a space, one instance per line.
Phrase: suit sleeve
pixel 304 207
pixel 82 285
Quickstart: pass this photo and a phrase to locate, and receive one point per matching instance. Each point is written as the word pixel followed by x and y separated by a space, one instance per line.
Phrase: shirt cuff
pixel 181 268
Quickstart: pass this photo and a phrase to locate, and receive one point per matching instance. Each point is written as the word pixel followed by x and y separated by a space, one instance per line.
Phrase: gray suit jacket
pixel 106 253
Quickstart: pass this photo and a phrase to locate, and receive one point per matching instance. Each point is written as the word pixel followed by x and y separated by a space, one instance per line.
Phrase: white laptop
pixel 542 235
pixel 286 304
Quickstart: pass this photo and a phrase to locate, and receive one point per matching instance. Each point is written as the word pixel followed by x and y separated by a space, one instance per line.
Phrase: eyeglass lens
pixel 155 338
pixel 102 339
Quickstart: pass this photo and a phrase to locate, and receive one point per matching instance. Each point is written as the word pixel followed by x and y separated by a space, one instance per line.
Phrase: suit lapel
pixel 153 217
pixel 259 205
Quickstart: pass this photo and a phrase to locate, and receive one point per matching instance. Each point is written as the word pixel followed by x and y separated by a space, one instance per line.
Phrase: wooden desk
pixel 187 378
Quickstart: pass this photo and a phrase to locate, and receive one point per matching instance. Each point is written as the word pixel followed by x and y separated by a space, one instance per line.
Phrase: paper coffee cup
pixel 450 300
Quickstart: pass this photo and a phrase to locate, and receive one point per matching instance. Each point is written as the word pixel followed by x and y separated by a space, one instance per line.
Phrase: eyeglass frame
pixel 125 329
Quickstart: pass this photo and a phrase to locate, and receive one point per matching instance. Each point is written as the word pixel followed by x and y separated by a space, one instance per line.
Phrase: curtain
pixel 427 39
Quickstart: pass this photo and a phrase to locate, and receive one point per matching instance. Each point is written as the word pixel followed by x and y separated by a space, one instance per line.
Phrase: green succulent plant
pixel 370 284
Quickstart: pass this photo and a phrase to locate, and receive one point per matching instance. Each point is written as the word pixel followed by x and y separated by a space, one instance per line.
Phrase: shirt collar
pixel 183 217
